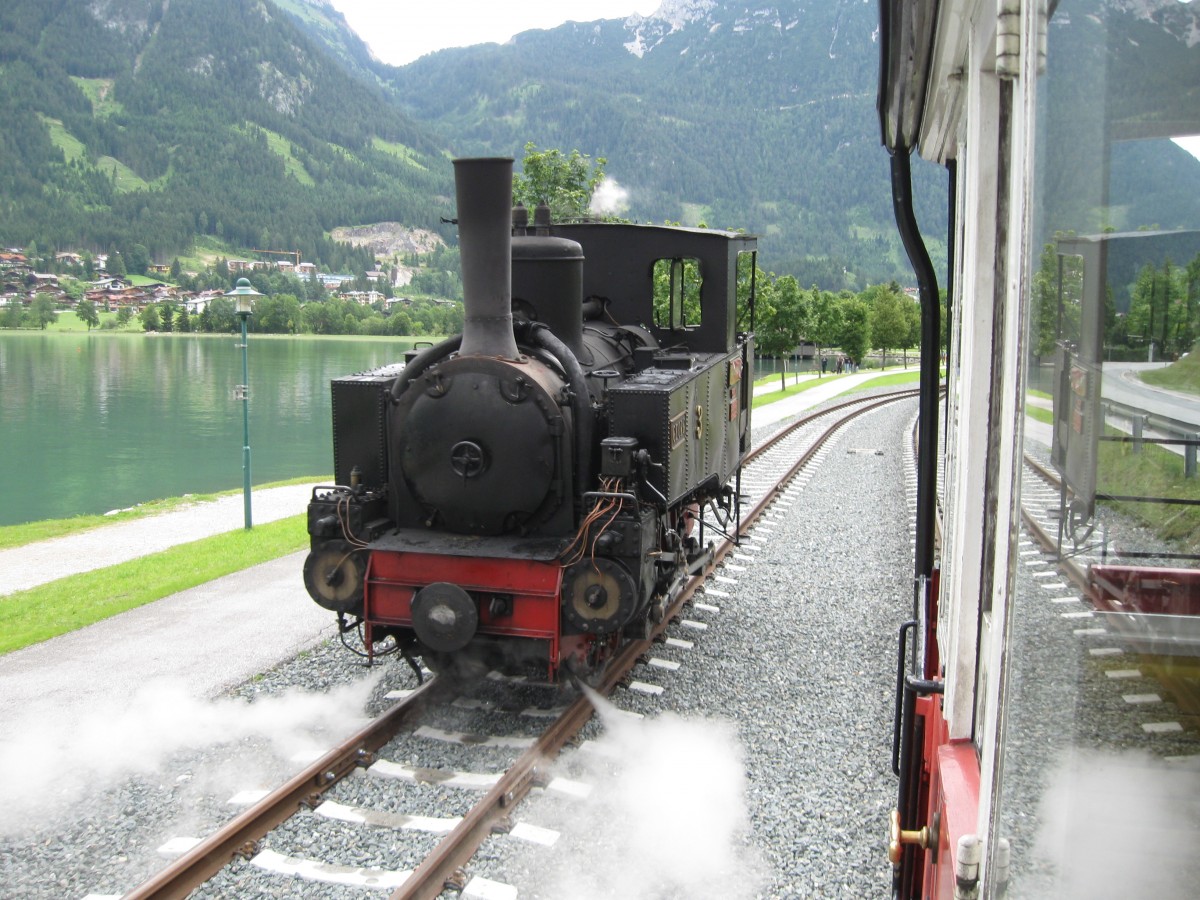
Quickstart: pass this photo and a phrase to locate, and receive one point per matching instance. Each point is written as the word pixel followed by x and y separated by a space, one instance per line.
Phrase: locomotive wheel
pixel 334 574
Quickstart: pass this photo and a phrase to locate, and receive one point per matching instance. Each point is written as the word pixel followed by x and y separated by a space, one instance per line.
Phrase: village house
pixel 333 282
pixel 199 302
pixel 366 298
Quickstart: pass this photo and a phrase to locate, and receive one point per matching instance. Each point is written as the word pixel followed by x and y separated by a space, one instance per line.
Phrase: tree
pixel 564 183
pixel 116 265
pixel 222 314
pixel 86 311
pixel 912 312
pixel 277 314
pixel 399 323
pixel 14 312
pixel 783 318
pixel 824 319
pixel 1056 318
pixel 183 322
pixel 168 316
pixel 855 332
pixel 150 319
pixel 890 326
pixel 42 311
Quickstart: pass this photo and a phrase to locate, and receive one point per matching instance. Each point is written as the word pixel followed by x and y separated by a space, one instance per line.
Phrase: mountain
pixel 149 122
pixel 752 115
pixel 268 123
pixel 328 28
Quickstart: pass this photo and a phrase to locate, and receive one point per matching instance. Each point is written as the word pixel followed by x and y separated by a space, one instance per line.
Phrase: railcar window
pixel 677 293
pixel 1100 775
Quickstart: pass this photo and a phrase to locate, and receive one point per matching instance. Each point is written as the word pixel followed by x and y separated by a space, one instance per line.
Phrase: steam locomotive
pixel 529 494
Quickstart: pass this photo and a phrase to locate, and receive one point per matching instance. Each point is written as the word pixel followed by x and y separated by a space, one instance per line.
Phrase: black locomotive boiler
pixel 526 494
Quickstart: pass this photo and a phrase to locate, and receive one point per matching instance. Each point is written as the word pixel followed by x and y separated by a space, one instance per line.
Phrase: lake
pixel 95 422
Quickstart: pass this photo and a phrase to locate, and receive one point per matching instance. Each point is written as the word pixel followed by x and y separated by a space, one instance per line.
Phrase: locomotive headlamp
pixel 444 616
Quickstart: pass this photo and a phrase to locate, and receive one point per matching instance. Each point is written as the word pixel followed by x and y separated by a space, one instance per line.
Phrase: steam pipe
pixel 538 335
pixel 483 190
pixel 422 361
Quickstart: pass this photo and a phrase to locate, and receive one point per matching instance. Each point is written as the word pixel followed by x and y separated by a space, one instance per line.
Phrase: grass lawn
pixel 1154 472
pixel 1040 414
pixel 1183 375
pixel 894 380
pixel 28 617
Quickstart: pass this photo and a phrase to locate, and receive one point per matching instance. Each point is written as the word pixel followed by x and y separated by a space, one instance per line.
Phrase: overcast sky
pixel 399 32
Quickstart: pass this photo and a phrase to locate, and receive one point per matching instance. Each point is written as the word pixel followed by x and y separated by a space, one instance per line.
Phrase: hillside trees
pixel 1056 306
pixel 1163 308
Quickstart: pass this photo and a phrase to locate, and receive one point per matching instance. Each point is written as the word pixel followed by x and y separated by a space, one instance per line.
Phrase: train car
pixel 530 493
pixel 1047 739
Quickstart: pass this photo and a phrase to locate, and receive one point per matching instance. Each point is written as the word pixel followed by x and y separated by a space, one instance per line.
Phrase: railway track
pixel 769 470
pixel 1177 672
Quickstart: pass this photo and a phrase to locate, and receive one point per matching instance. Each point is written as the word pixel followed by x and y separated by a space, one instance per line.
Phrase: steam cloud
pixel 49 766
pixel 1120 825
pixel 666 817
pixel 609 199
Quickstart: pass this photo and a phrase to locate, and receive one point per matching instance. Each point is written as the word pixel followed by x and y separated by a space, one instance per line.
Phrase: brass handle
pixel 898 838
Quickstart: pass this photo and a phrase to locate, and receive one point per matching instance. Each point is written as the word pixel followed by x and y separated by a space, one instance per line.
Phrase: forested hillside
pixel 755 116
pixel 142 122
pixel 267 123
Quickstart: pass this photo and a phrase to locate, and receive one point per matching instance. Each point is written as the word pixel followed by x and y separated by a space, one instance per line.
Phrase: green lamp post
pixel 243 299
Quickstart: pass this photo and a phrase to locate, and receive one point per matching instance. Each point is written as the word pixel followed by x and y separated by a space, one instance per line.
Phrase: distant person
pixel 824 365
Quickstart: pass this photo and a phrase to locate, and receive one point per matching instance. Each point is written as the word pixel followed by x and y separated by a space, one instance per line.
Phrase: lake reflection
pixel 103 421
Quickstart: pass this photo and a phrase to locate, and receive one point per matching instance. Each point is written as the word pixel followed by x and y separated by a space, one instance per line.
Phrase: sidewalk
pixel 44 561
pixel 830 387
pixel 207 638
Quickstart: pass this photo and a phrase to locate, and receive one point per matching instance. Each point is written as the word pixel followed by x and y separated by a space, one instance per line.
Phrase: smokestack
pixel 484 194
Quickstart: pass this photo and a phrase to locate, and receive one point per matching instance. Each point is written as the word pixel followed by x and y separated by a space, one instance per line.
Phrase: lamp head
pixel 243 297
